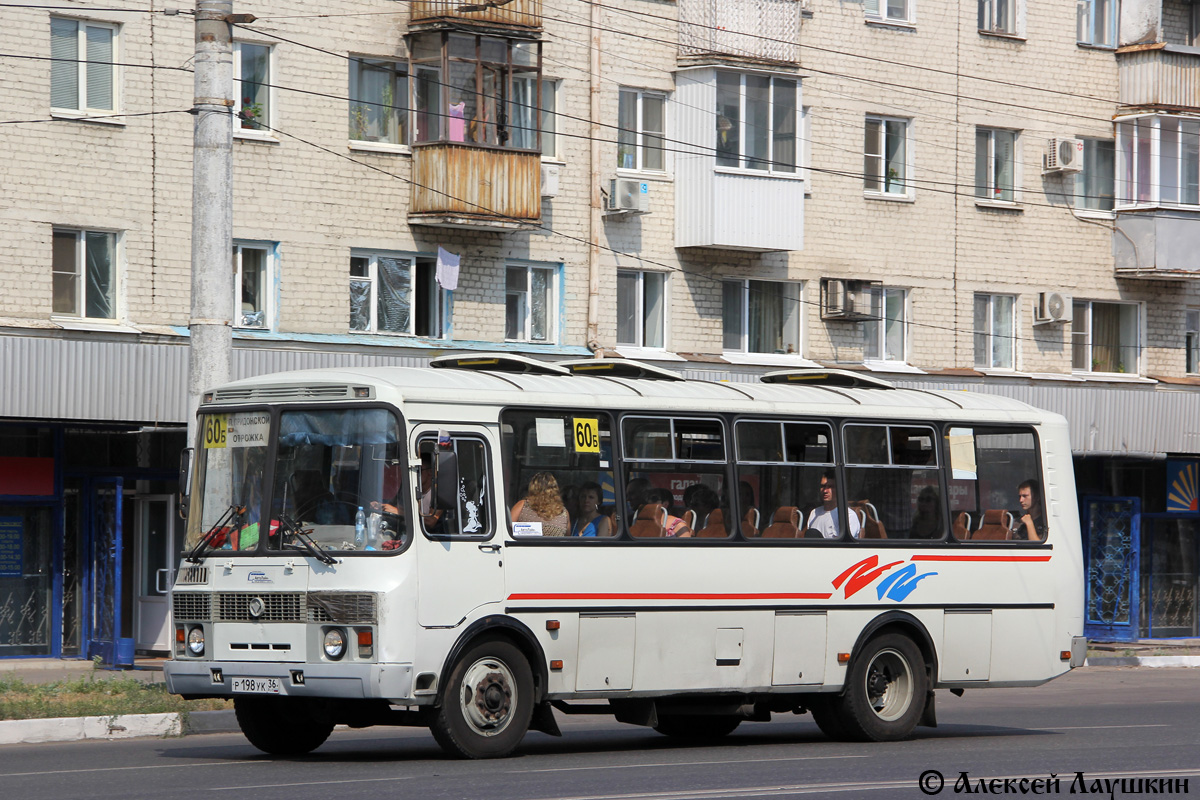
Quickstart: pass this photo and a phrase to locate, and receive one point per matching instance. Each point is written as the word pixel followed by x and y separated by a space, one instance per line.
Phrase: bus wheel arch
pixel 904 623
pixel 516 633
pixel 487 700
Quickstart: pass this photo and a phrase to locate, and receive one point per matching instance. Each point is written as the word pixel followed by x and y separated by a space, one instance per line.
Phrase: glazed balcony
pixel 762 31
pixel 458 185
pixel 1165 76
pixel 519 13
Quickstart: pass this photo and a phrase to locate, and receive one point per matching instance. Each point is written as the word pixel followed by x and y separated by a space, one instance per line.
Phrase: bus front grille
pixel 276 607
pixel 195 606
pixel 342 607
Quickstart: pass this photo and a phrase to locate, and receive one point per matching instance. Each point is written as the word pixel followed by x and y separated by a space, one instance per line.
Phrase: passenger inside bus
pixel 824 519
pixel 927 524
pixel 542 505
pixel 589 521
pixel 1029 523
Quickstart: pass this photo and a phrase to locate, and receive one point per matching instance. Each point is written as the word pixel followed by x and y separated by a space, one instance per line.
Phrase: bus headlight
pixel 195 641
pixel 335 644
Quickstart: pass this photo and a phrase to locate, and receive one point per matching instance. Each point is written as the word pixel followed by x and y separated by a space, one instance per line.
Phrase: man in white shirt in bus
pixel 825 519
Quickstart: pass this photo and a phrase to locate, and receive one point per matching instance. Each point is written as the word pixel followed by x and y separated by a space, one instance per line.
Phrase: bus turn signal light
pixel 1065 655
pixel 556 665
pixel 552 625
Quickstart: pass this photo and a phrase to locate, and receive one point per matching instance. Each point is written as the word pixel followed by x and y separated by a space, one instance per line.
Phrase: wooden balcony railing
pixel 526 13
pixel 487 186
pixel 761 30
pixel 1159 75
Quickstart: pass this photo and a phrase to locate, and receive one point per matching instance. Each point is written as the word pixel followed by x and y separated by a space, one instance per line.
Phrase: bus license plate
pixel 258 685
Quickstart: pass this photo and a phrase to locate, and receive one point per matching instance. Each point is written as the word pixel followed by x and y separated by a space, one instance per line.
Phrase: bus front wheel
pixel 487 702
pixel 282 726
pixel 885 690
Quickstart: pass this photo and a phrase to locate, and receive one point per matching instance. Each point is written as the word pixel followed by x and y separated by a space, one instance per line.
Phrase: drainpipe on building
pixel 595 221
pixel 211 345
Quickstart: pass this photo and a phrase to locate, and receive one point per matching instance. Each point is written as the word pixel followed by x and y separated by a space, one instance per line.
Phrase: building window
pixel 1105 337
pixel 529 304
pixel 550 90
pixel 761 317
pixel 253 94
pixel 252 281
pixel 998 16
pixel 395 293
pixel 1158 161
pixel 757 122
pixel 641 308
pixel 885 156
pixel 995 331
pixel 524 119
pixel 1094 185
pixel 641 122
pixel 1192 341
pixel 884 338
pixel 83 72
pixel 890 10
pixel 1096 22
pixel 995 164
pixel 475 89
pixel 84 269
pixel 378 101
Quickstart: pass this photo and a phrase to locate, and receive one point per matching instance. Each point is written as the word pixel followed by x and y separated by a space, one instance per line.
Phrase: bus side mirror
pixel 445 480
pixel 185 481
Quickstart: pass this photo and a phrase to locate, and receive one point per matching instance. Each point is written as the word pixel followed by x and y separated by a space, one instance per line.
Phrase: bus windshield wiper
pixel 206 541
pixel 289 526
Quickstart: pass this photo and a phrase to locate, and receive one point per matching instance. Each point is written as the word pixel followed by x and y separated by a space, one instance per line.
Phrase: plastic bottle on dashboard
pixel 360 528
pixel 373 531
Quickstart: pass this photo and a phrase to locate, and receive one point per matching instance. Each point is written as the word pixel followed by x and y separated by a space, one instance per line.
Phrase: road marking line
pixel 1100 727
pixel 686 763
pixel 314 783
pixel 118 769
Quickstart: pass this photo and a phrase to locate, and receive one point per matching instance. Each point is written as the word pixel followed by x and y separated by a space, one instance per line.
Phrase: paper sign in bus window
pixel 550 432
pixel 962 454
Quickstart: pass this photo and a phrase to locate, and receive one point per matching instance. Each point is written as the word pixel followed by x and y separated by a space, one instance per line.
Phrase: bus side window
pixel 468 516
pixel 995 487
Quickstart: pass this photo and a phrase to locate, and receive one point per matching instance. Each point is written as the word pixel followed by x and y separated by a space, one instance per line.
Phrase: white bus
pixel 603 537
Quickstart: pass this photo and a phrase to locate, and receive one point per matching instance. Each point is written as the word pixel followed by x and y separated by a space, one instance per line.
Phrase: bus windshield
pixel 328 464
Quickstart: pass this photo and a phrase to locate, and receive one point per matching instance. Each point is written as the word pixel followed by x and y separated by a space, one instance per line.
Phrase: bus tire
pixel 697 727
pixel 486 703
pixel 282 726
pixel 885 690
pixel 826 712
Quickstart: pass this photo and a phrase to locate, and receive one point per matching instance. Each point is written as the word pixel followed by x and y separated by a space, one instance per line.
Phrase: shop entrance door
pixel 156 559
pixel 104 591
pixel 1112 543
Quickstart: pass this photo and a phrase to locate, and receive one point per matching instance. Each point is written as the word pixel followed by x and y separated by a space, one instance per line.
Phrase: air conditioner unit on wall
pixel 1052 307
pixel 627 196
pixel 846 300
pixel 1063 154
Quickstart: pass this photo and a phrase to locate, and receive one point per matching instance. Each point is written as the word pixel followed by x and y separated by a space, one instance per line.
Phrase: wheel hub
pixel 488 696
pixel 889 684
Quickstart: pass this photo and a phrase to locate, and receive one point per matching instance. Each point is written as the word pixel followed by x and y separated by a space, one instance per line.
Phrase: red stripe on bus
pixel 673 596
pixel 981 558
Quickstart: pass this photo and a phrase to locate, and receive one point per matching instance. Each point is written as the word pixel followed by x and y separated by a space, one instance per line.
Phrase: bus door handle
pixel 490 548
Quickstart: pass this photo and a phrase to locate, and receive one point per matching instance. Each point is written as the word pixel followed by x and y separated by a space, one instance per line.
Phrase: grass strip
pixel 90 696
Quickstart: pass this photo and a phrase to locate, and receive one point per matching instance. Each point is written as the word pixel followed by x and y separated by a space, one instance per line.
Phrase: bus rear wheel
pixel 487 702
pixel 885 691
pixel 282 726
pixel 697 727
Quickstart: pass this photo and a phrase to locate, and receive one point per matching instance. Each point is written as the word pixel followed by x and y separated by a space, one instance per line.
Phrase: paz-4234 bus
pixel 473 545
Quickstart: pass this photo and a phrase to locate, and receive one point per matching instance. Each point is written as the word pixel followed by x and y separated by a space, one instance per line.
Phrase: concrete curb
pixel 1143 661
pixel 126 726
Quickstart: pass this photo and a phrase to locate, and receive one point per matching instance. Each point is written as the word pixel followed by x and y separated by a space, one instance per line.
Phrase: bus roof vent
pixel 620 368
pixel 839 378
pixel 497 362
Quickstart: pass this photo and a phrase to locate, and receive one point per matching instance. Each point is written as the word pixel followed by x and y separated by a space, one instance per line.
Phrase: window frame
pixel 1090 197
pixel 240 127
pixel 879 11
pixel 640 311
pixel 80 274
pixel 439 305
pixel 1086 338
pixel 1086 23
pixel 881 178
pixel 772 168
pixel 881 293
pixel 990 335
pixel 270 271
pixel 1134 168
pixel 744 313
pixel 989 22
pixel 1191 340
pixel 82 109
pixel 552 299
pixel 640 134
pixel 399 113
pixel 990 192
pixel 493 525
pixel 549 120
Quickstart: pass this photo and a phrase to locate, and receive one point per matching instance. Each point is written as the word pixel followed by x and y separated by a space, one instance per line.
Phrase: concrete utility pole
pixel 211 349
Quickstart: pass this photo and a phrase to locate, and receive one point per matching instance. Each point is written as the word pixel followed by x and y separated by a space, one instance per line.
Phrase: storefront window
pixel 25 580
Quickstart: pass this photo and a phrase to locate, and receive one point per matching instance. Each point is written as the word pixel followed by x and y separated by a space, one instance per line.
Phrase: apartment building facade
pixel 998 196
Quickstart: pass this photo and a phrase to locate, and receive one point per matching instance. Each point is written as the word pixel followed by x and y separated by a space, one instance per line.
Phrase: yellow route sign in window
pixel 587 435
pixel 215 429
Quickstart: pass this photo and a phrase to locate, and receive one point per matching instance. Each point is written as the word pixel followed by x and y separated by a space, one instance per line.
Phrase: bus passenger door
pixel 460 554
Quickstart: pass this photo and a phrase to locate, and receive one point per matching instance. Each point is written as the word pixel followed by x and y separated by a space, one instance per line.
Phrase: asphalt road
pixel 1104 722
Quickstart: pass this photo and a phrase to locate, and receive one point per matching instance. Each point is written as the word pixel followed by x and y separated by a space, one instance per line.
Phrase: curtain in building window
pixel 894 156
pixel 783 128
pixel 521 117
pixel 981 330
pixel 731 303
pixel 627 130
pixel 64 70
pixel 392 312
pixel 654 311
pixel 653 129
pixel 1191 162
pixel 66 273
pixel 1106 337
pixel 729 119
pixel 893 325
pixel 101 281
pixel 255 64
pixel 100 68
pixel 765 318
pixel 1003 181
pixel 1002 331
pixel 539 302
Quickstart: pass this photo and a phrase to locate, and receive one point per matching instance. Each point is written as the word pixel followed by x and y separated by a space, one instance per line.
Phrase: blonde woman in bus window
pixel 543 504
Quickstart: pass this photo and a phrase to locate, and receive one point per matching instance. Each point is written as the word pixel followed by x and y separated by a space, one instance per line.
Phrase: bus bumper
pixel 348 681
pixel 1079 646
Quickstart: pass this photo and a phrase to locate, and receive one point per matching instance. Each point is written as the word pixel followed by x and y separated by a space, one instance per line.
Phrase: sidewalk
pixel 1145 653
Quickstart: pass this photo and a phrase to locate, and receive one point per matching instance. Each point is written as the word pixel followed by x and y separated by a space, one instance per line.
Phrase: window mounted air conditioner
pixel 1063 154
pixel 1052 307
pixel 627 196
pixel 846 300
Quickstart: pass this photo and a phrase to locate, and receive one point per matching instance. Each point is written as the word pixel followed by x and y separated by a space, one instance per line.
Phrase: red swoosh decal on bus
pixel 981 558
pixel 670 596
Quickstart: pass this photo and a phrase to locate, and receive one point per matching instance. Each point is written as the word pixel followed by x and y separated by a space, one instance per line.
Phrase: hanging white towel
pixel 447 270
